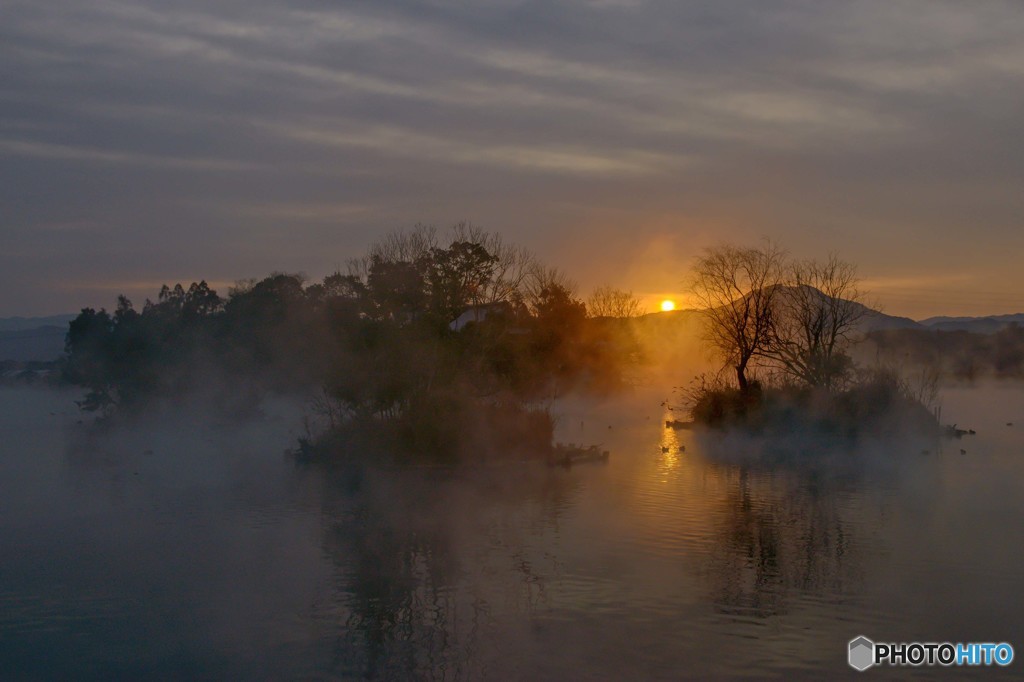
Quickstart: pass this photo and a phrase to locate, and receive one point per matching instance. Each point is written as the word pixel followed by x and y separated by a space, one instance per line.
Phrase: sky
pixel 174 140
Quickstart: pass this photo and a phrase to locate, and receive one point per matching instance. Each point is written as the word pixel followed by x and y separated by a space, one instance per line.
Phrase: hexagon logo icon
pixel 862 653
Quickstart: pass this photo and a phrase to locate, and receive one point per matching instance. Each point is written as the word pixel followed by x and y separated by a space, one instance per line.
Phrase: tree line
pixel 461 337
pixel 957 354
pixel 436 334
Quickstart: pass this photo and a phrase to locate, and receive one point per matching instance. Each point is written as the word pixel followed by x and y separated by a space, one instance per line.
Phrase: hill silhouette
pixel 989 324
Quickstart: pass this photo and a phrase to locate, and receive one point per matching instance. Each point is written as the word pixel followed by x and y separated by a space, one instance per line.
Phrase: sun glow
pixel 668 305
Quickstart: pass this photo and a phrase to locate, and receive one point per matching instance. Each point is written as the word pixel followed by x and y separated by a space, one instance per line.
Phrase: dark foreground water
pixel 177 551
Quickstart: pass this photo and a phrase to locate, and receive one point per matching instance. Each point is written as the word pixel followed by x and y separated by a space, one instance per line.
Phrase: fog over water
pixel 187 548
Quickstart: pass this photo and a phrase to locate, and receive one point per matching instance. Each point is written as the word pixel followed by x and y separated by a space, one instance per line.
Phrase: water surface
pixel 189 549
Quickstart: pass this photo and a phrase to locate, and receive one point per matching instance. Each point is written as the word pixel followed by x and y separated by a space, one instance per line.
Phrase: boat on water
pixel 678 424
pixel 567 455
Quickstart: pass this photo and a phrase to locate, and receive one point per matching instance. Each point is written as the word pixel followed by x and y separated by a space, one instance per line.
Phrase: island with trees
pixel 795 323
pixel 453 346
pixel 446 347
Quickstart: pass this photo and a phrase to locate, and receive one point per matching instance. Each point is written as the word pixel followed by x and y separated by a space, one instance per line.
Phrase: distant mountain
pixel 872 320
pixel 26 345
pixel 875 320
pixel 29 339
pixel 18 324
pixel 979 325
pixel 676 338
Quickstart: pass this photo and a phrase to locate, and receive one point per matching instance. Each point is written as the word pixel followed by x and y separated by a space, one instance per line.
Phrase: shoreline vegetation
pixel 443 348
pixel 878 404
pixel 454 347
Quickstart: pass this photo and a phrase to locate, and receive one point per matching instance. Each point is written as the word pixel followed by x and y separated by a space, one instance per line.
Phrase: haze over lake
pixel 181 547
pixel 510 340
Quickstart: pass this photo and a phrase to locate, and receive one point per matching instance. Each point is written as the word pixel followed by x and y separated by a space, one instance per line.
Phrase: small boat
pixel 678 424
pixel 567 455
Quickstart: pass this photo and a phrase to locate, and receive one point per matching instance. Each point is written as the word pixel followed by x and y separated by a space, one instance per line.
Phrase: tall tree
pixel 512 264
pixel 397 288
pixel 816 318
pixel 736 288
pixel 457 277
pixel 202 301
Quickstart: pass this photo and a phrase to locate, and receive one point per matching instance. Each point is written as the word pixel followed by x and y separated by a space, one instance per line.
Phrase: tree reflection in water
pixel 784 532
pixel 428 566
pixel 456 574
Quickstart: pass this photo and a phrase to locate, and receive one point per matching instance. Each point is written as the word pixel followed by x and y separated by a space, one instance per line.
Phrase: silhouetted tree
pixel 397 289
pixel 1008 351
pixel 736 288
pixel 511 267
pixel 457 277
pixel 201 301
pixel 558 321
pixel 610 302
pixel 816 316
pixel 376 340
pixel 88 348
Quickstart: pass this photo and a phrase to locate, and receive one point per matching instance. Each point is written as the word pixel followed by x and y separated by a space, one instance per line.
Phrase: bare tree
pixel 241 286
pixel 359 268
pixel 399 246
pixel 815 320
pixel 405 247
pixel 610 302
pixel 512 264
pixel 541 280
pixel 736 288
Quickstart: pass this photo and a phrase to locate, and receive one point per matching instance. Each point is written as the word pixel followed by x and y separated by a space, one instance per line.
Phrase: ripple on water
pixel 661 564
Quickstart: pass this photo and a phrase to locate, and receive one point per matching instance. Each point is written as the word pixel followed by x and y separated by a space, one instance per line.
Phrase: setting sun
pixel 668 305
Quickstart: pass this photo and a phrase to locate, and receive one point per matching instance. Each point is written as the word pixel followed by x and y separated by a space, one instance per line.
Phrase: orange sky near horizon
pixel 917 299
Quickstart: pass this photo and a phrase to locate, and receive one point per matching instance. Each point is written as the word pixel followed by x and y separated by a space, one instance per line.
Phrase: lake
pixel 187 549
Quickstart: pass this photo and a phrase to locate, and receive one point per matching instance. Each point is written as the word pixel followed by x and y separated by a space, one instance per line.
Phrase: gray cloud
pixel 145 141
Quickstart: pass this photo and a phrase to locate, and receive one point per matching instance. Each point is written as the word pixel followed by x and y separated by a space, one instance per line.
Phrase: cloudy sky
pixel 148 142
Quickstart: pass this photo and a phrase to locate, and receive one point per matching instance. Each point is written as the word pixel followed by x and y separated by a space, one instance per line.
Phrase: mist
pixel 577 339
pixel 179 542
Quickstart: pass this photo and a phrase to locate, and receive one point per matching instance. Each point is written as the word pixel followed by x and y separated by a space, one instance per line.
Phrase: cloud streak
pixel 205 126
pixel 60 152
